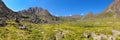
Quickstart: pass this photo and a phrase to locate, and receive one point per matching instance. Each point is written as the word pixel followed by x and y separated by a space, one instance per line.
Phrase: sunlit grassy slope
pixel 70 30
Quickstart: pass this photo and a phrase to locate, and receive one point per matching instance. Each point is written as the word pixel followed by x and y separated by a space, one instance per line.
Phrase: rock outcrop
pixel 89 15
pixel 33 14
pixel 6 13
pixel 37 15
pixel 114 7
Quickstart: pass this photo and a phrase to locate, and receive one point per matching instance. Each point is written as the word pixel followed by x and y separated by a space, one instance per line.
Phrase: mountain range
pixel 40 15
pixel 33 14
pixel 36 23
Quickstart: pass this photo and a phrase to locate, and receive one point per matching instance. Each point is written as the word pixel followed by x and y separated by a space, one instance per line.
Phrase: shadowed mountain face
pixel 33 14
pixel 3 8
pixel 5 13
pixel 37 15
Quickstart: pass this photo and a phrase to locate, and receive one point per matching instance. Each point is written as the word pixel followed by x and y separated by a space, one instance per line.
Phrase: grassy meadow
pixel 70 30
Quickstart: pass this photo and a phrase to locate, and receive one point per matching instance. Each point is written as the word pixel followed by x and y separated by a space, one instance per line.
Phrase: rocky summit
pixel 33 14
pixel 36 23
pixel 40 15
pixel 37 15
pixel 114 7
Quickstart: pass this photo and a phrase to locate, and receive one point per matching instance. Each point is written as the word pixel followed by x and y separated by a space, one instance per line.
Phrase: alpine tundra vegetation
pixel 36 23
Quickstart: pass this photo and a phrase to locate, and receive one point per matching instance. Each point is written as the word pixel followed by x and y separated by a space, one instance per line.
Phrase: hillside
pixel 5 14
pixel 37 23
pixel 114 8
pixel 37 15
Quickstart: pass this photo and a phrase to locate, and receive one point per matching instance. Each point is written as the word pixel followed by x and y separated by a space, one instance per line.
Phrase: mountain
pixel 40 15
pixel 71 18
pixel 37 15
pixel 89 15
pixel 114 9
pixel 3 8
pixel 33 14
pixel 6 13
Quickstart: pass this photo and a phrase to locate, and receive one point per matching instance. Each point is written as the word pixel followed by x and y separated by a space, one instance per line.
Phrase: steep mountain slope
pixel 75 29
pixel 37 15
pixel 3 8
pixel 33 14
pixel 5 13
pixel 89 15
pixel 114 9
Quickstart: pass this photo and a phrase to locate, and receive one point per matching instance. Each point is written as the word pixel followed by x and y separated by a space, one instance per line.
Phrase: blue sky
pixel 61 7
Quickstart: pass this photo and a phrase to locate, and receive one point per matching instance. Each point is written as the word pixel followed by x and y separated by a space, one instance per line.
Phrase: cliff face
pixel 114 7
pixel 38 15
pixel 33 14
pixel 3 8
pixel 89 15
pixel 5 13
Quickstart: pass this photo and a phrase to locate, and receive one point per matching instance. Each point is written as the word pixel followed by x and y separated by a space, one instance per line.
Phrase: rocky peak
pixel 34 9
pixel 38 14
pixel 117 0
pixel 89 14
pixel 114 7
pixel 33 14
pixel 44 13
pixel 37 11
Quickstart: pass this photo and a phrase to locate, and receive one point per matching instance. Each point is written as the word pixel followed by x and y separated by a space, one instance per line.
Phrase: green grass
pixel 71 30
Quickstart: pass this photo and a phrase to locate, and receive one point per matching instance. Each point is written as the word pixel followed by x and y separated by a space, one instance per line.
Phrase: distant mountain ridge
pixel 39 15
pixel 111 11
